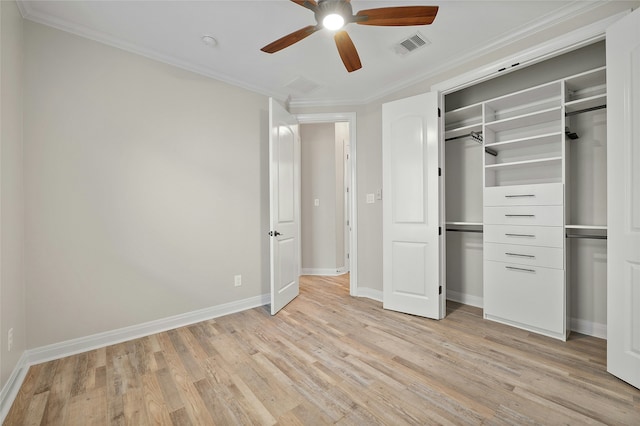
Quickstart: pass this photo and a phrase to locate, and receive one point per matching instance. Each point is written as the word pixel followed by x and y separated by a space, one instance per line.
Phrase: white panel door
pixel 623 187
pixel 284 184
pixel 411 205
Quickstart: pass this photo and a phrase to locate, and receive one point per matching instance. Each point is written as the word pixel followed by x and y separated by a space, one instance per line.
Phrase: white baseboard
pixel 369 293
pixel 466 299
pixel 589 328
pixel 327 272
pixel 84 344
pixel 10 389
pixel 99 340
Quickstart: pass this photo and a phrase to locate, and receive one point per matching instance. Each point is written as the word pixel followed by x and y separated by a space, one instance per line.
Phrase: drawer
pixel 544 236
pixel 525 215
pixel 544 194
pixel 548 257
pixel 527 297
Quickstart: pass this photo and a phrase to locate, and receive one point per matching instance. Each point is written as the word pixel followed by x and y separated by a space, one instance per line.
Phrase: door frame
pixel 349 117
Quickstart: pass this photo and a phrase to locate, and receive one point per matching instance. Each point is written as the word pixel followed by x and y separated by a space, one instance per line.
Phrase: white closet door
pixel 411 244
pixel 623 187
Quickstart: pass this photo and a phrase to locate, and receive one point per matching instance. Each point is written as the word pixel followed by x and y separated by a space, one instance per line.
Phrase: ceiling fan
pixel 335 14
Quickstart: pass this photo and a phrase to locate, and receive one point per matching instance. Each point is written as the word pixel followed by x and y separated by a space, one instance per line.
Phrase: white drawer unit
pixel 528 297
pixel 544 236
pixel 524 215
pixel 550 194
pixel 525 255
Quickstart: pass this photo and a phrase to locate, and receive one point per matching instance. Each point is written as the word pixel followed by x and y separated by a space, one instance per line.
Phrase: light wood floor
pixel 329 358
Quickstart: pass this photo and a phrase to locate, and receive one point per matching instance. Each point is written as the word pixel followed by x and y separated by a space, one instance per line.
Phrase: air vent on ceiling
pixel 411 44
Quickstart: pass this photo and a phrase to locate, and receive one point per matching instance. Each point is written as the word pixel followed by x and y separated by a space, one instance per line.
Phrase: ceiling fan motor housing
pixel 340 7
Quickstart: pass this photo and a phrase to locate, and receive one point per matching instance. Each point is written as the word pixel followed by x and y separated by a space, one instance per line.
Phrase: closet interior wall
pixel 585 192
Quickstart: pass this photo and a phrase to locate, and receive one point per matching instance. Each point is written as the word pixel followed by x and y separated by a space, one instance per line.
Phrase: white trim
pixel 10 389
pixel 466 299
pixel 370 293
pixel 89 33
pixel 589 328
pixel 349 117
pixel 563 44
pixel 99 340
pixel 324 272
pixel 538 25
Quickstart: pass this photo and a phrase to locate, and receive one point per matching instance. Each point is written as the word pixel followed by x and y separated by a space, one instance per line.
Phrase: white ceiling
pixel 171 31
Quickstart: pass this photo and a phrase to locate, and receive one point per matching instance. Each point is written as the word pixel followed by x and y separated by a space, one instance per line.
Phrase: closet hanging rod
pixel 580 111
pixel 464 230
pixel 589 236
pixel 477 136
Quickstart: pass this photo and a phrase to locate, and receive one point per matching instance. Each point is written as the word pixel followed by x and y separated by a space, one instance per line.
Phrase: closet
pixel 525 195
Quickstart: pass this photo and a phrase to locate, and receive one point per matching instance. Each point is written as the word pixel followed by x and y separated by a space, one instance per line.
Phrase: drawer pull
pixel 519 195
pixel 520 235
pixel 513 268
pixel 520 215
pixel 530 256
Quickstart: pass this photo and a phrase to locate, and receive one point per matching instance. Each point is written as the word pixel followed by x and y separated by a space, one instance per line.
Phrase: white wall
pixel 12 290
pixel 145 189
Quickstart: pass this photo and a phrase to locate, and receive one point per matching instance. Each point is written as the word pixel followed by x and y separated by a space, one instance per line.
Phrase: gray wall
pixel 12 290
pixel 144 189
pixel 322 178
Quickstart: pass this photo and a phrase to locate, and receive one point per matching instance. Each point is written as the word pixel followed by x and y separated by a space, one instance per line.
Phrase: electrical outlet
pixel 10 340
pixel 237 280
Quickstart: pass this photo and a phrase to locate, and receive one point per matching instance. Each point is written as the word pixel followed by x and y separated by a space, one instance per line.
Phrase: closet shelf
pixel 587 83
pixel 586 103
pixel 590 227
pixel 464 130
pixel 540 94
pixel 526 120
pixel 464 223
pixel 531 140
pixel 465 115
pixel 517 164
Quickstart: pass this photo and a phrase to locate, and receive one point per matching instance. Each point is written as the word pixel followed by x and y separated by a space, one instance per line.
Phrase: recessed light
pixel 209 41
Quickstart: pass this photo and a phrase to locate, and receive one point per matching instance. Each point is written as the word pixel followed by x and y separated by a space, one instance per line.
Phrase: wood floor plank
pixel 328 358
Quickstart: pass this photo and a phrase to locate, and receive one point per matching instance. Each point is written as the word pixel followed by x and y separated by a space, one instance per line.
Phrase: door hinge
pixel 439 230
pixel 440 290
pixel 439 171
pixel 439 113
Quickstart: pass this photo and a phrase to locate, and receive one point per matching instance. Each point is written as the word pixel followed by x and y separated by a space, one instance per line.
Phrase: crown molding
pixel 82 31
pixel 572 9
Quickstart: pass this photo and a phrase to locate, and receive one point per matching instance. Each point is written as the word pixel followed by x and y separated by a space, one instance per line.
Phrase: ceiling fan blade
pixel 347 51
pixel 397 16
pixel 309 4
pixel 290 39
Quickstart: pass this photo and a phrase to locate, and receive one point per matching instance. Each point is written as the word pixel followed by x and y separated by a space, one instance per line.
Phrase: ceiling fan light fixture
pixel 333 21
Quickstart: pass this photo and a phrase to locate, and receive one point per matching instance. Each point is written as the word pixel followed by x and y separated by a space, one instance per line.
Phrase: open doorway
pixel 328 196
